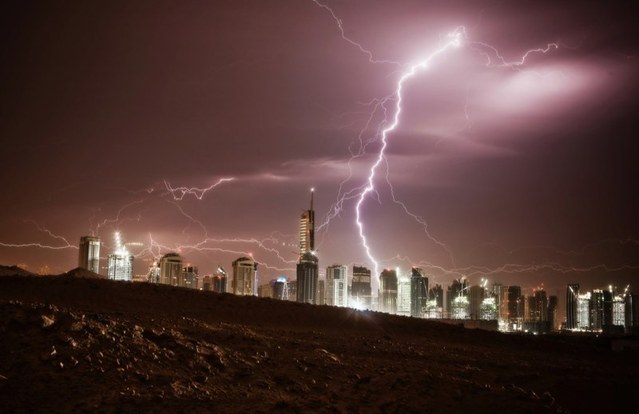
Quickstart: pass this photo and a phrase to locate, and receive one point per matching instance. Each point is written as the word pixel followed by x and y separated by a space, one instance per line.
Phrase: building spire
pixel 312 192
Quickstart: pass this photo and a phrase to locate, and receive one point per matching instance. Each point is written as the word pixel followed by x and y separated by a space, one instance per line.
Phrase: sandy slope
pixel 71 344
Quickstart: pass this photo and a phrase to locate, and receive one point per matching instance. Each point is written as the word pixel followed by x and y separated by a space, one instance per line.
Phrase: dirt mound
pixel 74 344
pixel 83 273
pixel 14 271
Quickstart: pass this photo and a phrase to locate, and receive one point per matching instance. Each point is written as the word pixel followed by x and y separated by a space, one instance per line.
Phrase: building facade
pixel 171 265
pixel 244 277
pixel 120 262
pixel 89 256
pixel 388 291
pixel 337 285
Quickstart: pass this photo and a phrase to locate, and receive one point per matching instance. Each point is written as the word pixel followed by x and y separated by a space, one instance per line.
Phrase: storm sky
pixel 523 174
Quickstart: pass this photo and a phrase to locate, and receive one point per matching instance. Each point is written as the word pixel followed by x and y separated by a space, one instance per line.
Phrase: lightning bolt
pixel 179 192
pixel 384 106
pixel 454 42
pixel 340 26
pixel 66 244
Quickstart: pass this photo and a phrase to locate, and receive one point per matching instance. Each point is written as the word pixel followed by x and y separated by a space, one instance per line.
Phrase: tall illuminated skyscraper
pixel 307 230
pixel 120 262
pixel 89 257
pixel 307 267
pixel 244 277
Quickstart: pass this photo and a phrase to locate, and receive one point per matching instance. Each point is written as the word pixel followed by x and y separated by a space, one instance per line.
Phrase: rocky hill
pixel 83 344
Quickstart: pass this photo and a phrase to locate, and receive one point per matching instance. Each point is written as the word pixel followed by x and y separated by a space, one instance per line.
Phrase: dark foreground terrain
pixel 72 344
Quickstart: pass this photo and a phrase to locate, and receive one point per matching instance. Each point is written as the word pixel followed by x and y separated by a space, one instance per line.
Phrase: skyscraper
pixel 244 277
pixel 307 230
pixel 418 292
pixel 89 257
pixel 170 269
pixel 596 310
pixel 360 297
pixel 189 277
pixel 403 295
pixel 337 285
pixel 435 303
pixel 553 302
pixel 307 273
pixel 307 267
pixel 120 262
pixel 476 295
pixel 515 307
pixel 388 291
pixel 280 288
pixel 219 280
pixel 572 291
pixel 457 299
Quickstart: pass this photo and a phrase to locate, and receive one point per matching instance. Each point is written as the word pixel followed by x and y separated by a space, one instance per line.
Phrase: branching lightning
pixel 454 40
pixel 40 228
pixel 179 192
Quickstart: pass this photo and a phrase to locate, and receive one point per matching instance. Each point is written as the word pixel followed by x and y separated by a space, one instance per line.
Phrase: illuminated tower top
pixel 307 229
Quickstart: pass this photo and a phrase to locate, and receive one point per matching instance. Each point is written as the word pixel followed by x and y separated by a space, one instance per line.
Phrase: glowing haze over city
pixel 482 139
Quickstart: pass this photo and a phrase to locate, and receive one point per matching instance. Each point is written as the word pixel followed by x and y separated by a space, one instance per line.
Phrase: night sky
pixel 524 174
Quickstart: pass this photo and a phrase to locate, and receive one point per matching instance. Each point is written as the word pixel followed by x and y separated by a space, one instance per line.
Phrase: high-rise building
pixel 361 293
pixel 488 309
pixel 320 294
pixel 189 277
pixel 476 295
pixel 307 230
pixel 219 280
pixel 435 303
pixel 388 291
pixel 171 265
pixel 292 290
pixel 500 292
pixel 244 277
pixel 89 257
pixel 154 273
pixel 307 267
pixel 596 310
pixel 631 312
pixel 553 304
pixel 207 285
pixel 572 292
pixel 583 311
pixel 515 307
pixel 307 275
pixel 418 292
pixel 537 306
pixel 280 288
pixel 265 290
pixel 457 299
pixel 618 310
pixel 337 285
pixel 120 262
pixel 403 296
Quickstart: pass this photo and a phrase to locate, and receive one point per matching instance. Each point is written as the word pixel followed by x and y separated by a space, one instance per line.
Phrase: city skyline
pixel 202 131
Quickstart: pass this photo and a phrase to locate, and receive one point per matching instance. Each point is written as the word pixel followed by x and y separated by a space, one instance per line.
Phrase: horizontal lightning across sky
pixel 255 130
